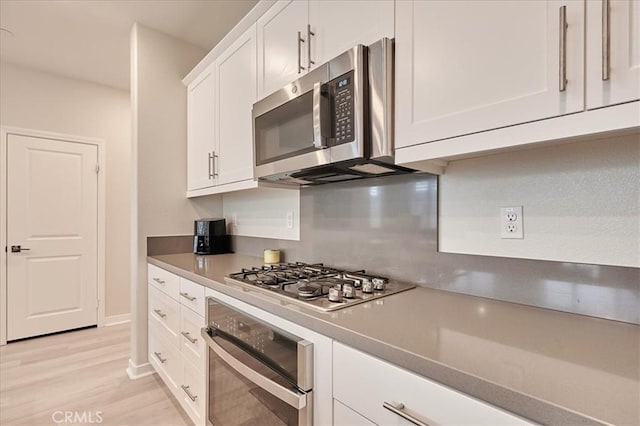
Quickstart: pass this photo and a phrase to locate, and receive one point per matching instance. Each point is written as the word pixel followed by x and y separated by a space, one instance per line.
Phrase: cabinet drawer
pixel 163 280
pixel 166 359
pixel 192 393
pixel 192 295
pixel 192 345
pixel 356 374
pixel 164 315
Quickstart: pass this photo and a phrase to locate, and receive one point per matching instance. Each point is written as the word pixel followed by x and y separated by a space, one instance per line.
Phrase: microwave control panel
pixel 344 104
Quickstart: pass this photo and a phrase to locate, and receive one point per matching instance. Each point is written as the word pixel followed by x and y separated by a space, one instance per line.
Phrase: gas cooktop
pixel 317 286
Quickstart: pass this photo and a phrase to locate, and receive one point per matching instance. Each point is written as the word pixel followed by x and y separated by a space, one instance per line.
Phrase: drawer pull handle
pixel 398 409
pixel 188 336
pixel 159 281
pixel 186 390
pixel 189 298
pixel 160 313
pixel 162 360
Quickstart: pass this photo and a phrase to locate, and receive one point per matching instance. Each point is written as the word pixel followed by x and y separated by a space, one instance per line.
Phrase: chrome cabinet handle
pixel 186 390
pixel 606 40
pixel 210 160
pixel 189 298
pixel 309 34
pixel 158 280
pixel 162 360
pixel 563 49
pixel 300 40
pixel 398 409
pixel 188 337
pixel 214 167
pixel 160 314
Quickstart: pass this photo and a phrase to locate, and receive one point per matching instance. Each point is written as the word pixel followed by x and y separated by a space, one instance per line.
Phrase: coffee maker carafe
pixel 210 236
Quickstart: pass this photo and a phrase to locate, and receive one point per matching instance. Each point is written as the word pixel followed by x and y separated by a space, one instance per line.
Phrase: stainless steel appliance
pixel 317 286
pixel 257 373
pixel 210 236
pixel 333 124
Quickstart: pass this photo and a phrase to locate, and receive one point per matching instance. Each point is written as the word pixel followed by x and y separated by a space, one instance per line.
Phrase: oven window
pixel 286 131
pixel 234 400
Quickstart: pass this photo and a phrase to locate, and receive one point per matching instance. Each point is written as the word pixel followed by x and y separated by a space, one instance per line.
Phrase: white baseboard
pixel 138 371
pixel 117 319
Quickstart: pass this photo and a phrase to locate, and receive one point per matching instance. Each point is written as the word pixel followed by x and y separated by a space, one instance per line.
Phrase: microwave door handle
pixel 319 141
pixel 292 398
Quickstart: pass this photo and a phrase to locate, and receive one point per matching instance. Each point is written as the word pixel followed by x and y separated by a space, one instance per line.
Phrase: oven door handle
pixel 294 399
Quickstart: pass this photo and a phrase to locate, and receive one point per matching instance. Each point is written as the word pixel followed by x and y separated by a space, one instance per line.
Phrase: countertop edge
pixel 520 404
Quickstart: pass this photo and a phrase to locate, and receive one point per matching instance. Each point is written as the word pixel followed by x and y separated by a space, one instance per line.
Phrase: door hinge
pixel 97 168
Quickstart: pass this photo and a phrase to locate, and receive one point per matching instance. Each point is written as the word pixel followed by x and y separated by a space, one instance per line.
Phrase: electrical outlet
pixel 511 222
pixel 289 220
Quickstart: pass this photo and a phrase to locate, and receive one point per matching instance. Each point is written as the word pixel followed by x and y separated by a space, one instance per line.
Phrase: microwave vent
pixel 372 169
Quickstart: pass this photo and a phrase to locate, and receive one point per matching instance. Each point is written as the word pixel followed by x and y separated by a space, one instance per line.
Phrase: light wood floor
pixel 84 372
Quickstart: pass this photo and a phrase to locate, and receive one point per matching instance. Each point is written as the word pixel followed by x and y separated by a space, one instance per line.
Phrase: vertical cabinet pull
pixel 563 49
pixel 186 390
pixel 214 167
pixel 606 40
pixel 300 41
pixel 309 34
pixel 162 360
pixel 398 409
pixel 210 160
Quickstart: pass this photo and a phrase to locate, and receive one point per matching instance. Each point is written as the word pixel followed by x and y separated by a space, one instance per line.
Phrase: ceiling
pixel 89 39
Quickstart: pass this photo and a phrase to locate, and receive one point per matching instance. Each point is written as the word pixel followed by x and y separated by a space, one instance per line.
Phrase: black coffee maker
pixel 210 236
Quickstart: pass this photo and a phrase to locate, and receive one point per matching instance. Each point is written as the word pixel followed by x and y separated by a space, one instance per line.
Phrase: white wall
pixel 159 137
pixel 35 100
pixel 581 203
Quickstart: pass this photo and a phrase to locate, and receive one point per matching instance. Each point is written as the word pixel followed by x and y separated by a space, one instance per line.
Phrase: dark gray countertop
pixel 547 366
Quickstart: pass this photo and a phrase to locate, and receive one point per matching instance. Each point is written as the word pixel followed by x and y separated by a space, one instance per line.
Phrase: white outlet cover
pixel 289 220
pixel 511 222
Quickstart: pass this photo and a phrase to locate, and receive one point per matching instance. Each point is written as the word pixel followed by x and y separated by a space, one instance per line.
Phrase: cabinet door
pixel 236 93
pixel 345 416
pixel 340 25
pixel 468 66
pixel 279 51
pixel 613 68
pixel 200 130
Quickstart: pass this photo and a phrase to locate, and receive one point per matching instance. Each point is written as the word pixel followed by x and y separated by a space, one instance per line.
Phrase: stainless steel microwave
pixel 335 123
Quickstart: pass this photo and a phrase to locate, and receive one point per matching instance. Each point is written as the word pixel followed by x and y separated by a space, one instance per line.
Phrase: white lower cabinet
pixel 365 384
pixel 176 349
pixel 345 416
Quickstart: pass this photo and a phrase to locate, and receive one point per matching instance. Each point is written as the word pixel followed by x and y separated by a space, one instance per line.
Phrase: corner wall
pixel 36 100
pixel 159 173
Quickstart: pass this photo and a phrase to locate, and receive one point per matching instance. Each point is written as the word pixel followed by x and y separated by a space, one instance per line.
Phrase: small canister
pixel 271 256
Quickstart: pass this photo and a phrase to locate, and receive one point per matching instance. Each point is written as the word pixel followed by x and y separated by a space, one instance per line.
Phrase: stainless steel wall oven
pixel 257 373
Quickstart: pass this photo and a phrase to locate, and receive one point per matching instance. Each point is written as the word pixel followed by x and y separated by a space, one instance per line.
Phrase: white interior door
pixel 52 210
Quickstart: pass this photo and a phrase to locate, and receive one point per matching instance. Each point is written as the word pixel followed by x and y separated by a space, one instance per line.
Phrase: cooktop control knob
pixel 348 291
pixel 335 294
pixel 379 284
pixel 367 286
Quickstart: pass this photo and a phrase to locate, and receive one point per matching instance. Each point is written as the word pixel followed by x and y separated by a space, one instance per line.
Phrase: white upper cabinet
pixel 339 25
pixel 613 52
pixel 294 36
pixel 219 135
pixel 281 52
pixel 469 66
pixel 200 130
pixel 235 94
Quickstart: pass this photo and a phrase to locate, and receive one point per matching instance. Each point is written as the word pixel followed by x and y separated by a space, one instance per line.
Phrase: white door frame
pixel 4 133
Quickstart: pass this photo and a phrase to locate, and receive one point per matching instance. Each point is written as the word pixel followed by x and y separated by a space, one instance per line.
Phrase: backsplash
pixel 388 226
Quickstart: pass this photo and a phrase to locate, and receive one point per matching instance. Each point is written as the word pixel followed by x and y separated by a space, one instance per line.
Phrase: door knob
pixel 18 249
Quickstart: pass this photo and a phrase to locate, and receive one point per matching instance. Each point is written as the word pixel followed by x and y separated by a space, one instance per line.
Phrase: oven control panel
pixel 343 107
